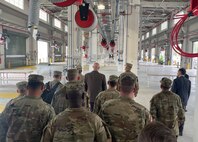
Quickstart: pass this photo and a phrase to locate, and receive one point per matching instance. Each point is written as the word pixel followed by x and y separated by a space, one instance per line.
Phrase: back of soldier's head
pixel 74 94
pixel 127 84
pixel 57 74
pixel 72 74
pixel 157 132
pixel 113 80
pixel 35 81
pixel 22 87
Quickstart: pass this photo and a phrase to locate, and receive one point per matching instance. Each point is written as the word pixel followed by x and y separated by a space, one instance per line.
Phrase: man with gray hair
pixel 95 83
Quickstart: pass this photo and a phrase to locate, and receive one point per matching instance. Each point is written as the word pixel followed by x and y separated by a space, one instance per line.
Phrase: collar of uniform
pixel 33 97
pixel 126 98
pixel 111 89
pixel 73 81
pixel 76 109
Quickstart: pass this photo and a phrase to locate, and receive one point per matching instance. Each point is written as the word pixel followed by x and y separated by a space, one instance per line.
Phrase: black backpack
pixel 48 93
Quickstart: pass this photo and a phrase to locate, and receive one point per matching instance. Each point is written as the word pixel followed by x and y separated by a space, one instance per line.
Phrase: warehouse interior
pixel 40 36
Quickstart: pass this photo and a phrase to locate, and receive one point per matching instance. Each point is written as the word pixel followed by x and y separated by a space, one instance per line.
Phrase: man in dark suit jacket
pixel 182 87
pixel 95 82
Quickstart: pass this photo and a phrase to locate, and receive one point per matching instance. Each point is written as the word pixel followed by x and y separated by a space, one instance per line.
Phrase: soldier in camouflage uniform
pixel 157 132
pixel 124 117
pixel 75 124
pixel 110 93
pixel 128 68
pixel 166 107
pixel 59 101
pixel 21 90
pixel 24 119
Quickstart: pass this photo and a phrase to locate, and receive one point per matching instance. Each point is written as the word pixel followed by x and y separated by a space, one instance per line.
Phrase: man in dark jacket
pixel 181 87
pixel 95 83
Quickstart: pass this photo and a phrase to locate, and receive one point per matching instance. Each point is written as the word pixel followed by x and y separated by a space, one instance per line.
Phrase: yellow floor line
pixel 8 95
pixel 27 67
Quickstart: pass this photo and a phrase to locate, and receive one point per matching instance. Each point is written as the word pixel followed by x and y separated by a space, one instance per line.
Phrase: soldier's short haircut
pixel 127 84
pixel 157 132
pixel 112 83
pixel 35 85
pixel 74 97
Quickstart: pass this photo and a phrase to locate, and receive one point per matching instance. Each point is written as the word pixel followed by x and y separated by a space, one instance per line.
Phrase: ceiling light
pixel 101 7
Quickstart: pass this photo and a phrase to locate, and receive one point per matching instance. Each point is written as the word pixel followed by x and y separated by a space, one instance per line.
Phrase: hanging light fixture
pixel 101 6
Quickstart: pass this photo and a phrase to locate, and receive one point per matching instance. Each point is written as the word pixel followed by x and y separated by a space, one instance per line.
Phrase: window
pixel 66 28
pixel 154 31
pixel 43 15
pixel 164 25
pixel 143 37
pixel 147 35
pixel 17 3
pixel 57 23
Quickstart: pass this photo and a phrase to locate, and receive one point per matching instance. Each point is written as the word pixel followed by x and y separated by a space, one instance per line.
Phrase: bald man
pixel 95 83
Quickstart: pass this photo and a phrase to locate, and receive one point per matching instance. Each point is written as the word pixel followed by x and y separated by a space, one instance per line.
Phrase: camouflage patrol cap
pixel 35 78
pixel 72 72
pixel 79 67
pixel 22 85
pixel 129 65
pixel 166 82
pixel 75 87
pixel 113 78
pixel 59 73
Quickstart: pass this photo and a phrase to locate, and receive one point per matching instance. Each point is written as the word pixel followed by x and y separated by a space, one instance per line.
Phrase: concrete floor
pixel 149 77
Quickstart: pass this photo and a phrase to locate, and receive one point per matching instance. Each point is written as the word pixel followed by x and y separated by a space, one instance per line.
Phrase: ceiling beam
pixel 152 18
pixel 163 4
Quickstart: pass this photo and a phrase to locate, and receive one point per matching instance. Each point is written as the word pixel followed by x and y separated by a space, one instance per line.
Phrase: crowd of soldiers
pixel 85 110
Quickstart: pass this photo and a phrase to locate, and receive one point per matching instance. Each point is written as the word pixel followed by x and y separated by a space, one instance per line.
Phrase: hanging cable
pixel 175 32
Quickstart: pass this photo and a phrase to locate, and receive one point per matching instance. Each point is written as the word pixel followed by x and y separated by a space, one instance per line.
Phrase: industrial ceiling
pixel 152 12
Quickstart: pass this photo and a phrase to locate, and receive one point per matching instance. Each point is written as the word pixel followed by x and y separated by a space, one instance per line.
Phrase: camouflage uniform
pixel 124 117
pixel 128 67
pixel 106 95
pixel 24 119
pixel 75 125
pixel 59 101
pixel 20 86
pixel 166 107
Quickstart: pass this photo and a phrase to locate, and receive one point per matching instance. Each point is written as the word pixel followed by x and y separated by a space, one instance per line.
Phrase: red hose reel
pixel 175 32
pixel 61 3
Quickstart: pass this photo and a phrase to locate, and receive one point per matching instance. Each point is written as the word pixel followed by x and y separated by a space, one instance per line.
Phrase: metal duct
pixel 115 17
pixel 33 19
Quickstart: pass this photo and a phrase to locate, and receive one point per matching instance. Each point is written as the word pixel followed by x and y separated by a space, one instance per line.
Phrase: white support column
pixel 131 50
pixel 94 45
pixel 72 36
